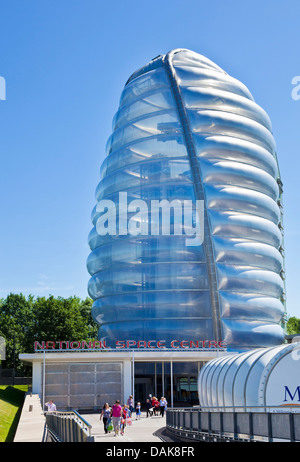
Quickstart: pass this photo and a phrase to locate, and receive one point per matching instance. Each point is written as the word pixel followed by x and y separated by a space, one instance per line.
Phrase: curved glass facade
pixel 187 131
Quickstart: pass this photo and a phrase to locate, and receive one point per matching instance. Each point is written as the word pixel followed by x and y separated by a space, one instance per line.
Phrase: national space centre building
pixel 187 255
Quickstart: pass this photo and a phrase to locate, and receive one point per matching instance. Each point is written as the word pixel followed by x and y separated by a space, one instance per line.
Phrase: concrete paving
pixel 143 430
pixel 32 421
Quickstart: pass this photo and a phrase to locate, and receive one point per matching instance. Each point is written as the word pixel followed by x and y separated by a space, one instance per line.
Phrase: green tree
pixel 86 312
pixel 24 321
pixel 16 322
pixel 293 326
pixel 58 319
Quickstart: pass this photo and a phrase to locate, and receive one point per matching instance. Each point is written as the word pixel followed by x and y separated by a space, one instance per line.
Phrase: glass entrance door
pixel 186 390
pixel 155 379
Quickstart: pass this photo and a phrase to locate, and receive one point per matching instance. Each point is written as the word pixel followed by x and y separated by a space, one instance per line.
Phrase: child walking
pixel 138 411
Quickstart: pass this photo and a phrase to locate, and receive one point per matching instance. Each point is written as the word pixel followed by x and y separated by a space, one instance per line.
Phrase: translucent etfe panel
pixel 152 80
pixel 144 127
pixel 167 330
pixel 228 124
pixel 247 279
pixel 164 276
pixel 147 104
pixel 238 305
pixel 237 150
pixel 238 251
pixel 219 100
pixel 251 334
pixel 153 305
pixel 143 174
pixel 242 225
pixel 144 150
pixel 191 76
pixel 238 174
pixel 143 250
pixel 148 192
pixel 190 58
pixel 242 200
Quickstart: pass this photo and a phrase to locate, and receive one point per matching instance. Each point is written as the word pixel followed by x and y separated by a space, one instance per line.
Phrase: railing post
pixel 235 425
pixel 270 435
pixel 209 423
pixel 73 435
pixel 251 435
pixel 221 424
pixel 199 421
pixel 292 427
pixel 68 432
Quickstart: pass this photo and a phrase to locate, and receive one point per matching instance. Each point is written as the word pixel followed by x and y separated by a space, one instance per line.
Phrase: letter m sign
pixel 287 392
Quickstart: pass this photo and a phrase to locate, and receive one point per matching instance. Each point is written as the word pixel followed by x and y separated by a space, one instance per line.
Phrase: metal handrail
pixel 74 415
pixel 285 408
pixel 258 423
pixel 89 426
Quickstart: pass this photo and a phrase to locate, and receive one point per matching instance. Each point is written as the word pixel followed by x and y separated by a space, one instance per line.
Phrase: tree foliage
pixel 24 321
pixel 293 326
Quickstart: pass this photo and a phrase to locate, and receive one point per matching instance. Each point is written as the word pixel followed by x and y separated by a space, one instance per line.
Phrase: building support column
pixel 127 380
pixel 171 374
pixel 37 378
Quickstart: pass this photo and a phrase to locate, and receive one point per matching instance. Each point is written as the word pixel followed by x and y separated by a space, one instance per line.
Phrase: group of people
pixel 155 406
pixel 116 418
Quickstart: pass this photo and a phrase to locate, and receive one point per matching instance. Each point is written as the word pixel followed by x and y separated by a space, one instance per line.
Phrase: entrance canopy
pixel 86 380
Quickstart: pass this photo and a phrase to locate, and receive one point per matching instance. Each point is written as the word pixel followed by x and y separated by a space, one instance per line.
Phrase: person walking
pixel 130 403
pixel 116 414
pixel 138 411
pixel 124 417
pixel 105 415
pixel 155 405
pixel 166 404
pixel 162 405
pixel 148 407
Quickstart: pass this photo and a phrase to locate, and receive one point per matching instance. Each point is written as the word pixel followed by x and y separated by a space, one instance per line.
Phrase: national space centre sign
pixel 130 344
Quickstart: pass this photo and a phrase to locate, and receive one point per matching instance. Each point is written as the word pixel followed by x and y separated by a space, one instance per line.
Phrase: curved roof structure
pixel 260 377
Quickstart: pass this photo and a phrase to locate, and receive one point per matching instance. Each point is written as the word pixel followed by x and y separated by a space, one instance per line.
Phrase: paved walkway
pixel 142 430
pixel 32 421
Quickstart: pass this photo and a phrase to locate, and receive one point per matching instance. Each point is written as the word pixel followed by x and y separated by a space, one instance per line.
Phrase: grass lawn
pixel 11 402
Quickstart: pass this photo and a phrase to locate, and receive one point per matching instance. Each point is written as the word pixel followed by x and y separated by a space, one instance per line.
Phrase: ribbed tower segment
pixel 186 131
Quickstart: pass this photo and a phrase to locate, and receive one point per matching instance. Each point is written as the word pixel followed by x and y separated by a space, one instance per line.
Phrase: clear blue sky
pixel 65 63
